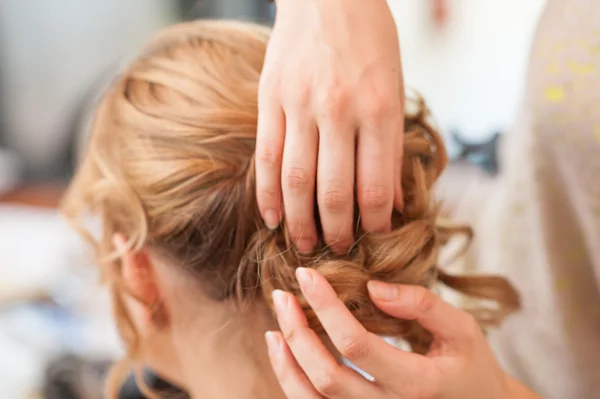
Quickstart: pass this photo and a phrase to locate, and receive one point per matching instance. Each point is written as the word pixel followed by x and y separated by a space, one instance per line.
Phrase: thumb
pixel 409 302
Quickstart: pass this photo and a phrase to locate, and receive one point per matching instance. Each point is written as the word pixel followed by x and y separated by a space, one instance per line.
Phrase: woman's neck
pixel 230 362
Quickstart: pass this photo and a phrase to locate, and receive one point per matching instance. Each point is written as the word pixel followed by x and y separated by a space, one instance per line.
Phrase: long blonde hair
pixel 170 165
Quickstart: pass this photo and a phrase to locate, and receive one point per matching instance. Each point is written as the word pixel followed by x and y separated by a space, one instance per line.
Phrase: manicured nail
pixel 273 343
pixel 272 219
pixel 382 291
pixel 305 278
pixel 280 300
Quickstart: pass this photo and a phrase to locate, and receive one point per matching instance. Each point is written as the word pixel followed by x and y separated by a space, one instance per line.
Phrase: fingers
pixel 269 151
pixel 448 324
pixel 329 378
pixel 292 379
pixel 375 173
pixel 298 181
pixel 335 184
pixel 388 365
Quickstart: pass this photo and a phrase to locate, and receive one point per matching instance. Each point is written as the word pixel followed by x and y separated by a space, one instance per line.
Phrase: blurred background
pixel 466 57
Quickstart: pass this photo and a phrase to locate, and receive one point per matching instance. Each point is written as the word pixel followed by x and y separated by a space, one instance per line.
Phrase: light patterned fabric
pixel 540 225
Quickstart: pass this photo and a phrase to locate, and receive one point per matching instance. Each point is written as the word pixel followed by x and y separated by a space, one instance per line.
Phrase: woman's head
pixel 169 172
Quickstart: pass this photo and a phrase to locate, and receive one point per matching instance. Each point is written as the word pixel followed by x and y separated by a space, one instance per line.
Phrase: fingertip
pixel 383 291
pixel 314 285
pixel 378 223
pixel 304 239
pixel 305 245
pixel 272 218
pixel 305 278
pixel 394 300
pixel 386 225
pixel 280 301
pixel 340 245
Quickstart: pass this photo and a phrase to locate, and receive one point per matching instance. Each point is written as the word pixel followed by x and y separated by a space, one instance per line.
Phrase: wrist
pixel 333 5
pixel 516 390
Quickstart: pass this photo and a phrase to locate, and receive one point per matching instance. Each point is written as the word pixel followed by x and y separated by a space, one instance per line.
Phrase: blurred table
pixel 42 258
pixel 45 195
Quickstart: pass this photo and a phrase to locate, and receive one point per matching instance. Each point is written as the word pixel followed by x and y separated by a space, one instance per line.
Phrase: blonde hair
pixel 170 165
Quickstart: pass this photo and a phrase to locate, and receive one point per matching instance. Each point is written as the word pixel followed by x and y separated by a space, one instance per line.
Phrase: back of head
pixel 170 166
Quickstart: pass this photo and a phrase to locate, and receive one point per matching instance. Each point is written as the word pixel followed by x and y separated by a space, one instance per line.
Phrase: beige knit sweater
pixel 540 221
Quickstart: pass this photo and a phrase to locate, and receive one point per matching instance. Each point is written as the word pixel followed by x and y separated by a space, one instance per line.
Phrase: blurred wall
pixel 51 52
pixel 472 70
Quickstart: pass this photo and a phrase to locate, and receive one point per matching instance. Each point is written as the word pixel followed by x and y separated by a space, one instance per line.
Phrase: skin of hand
pixel 331 113
pixel 460 364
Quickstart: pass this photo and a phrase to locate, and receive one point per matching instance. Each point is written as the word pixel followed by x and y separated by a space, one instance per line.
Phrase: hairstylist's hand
pixel 330 99
pixel 460 364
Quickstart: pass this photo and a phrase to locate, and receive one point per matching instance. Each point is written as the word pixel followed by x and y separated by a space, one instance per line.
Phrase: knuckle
pixel 379 104
pixel 328 383
pixel 303 97
pixel 337 199
pixel 290 335
pixel 298 179
pixel 297 96
pixel 375 198
pixel 268 154
pixel 375 110
pixel 333 103
pixel 354 348
pixel 267 197
pixel 299 229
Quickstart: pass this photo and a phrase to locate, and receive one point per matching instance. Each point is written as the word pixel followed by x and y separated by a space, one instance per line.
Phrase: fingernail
pixel 272 219
pixel 280 300
pixel 340 247
pixel 273 343
pixel 305 278
pixel 382 291
pixel 305 245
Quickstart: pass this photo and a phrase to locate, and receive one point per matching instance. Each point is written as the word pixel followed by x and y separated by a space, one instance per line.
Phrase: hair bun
pixel 406 255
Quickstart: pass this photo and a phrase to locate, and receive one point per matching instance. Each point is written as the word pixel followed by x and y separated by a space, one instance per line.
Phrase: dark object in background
pixel 483 154
pixel 71 377
pixel 254 10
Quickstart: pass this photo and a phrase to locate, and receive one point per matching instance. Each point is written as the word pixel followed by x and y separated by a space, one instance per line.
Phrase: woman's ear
pixel 142 296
